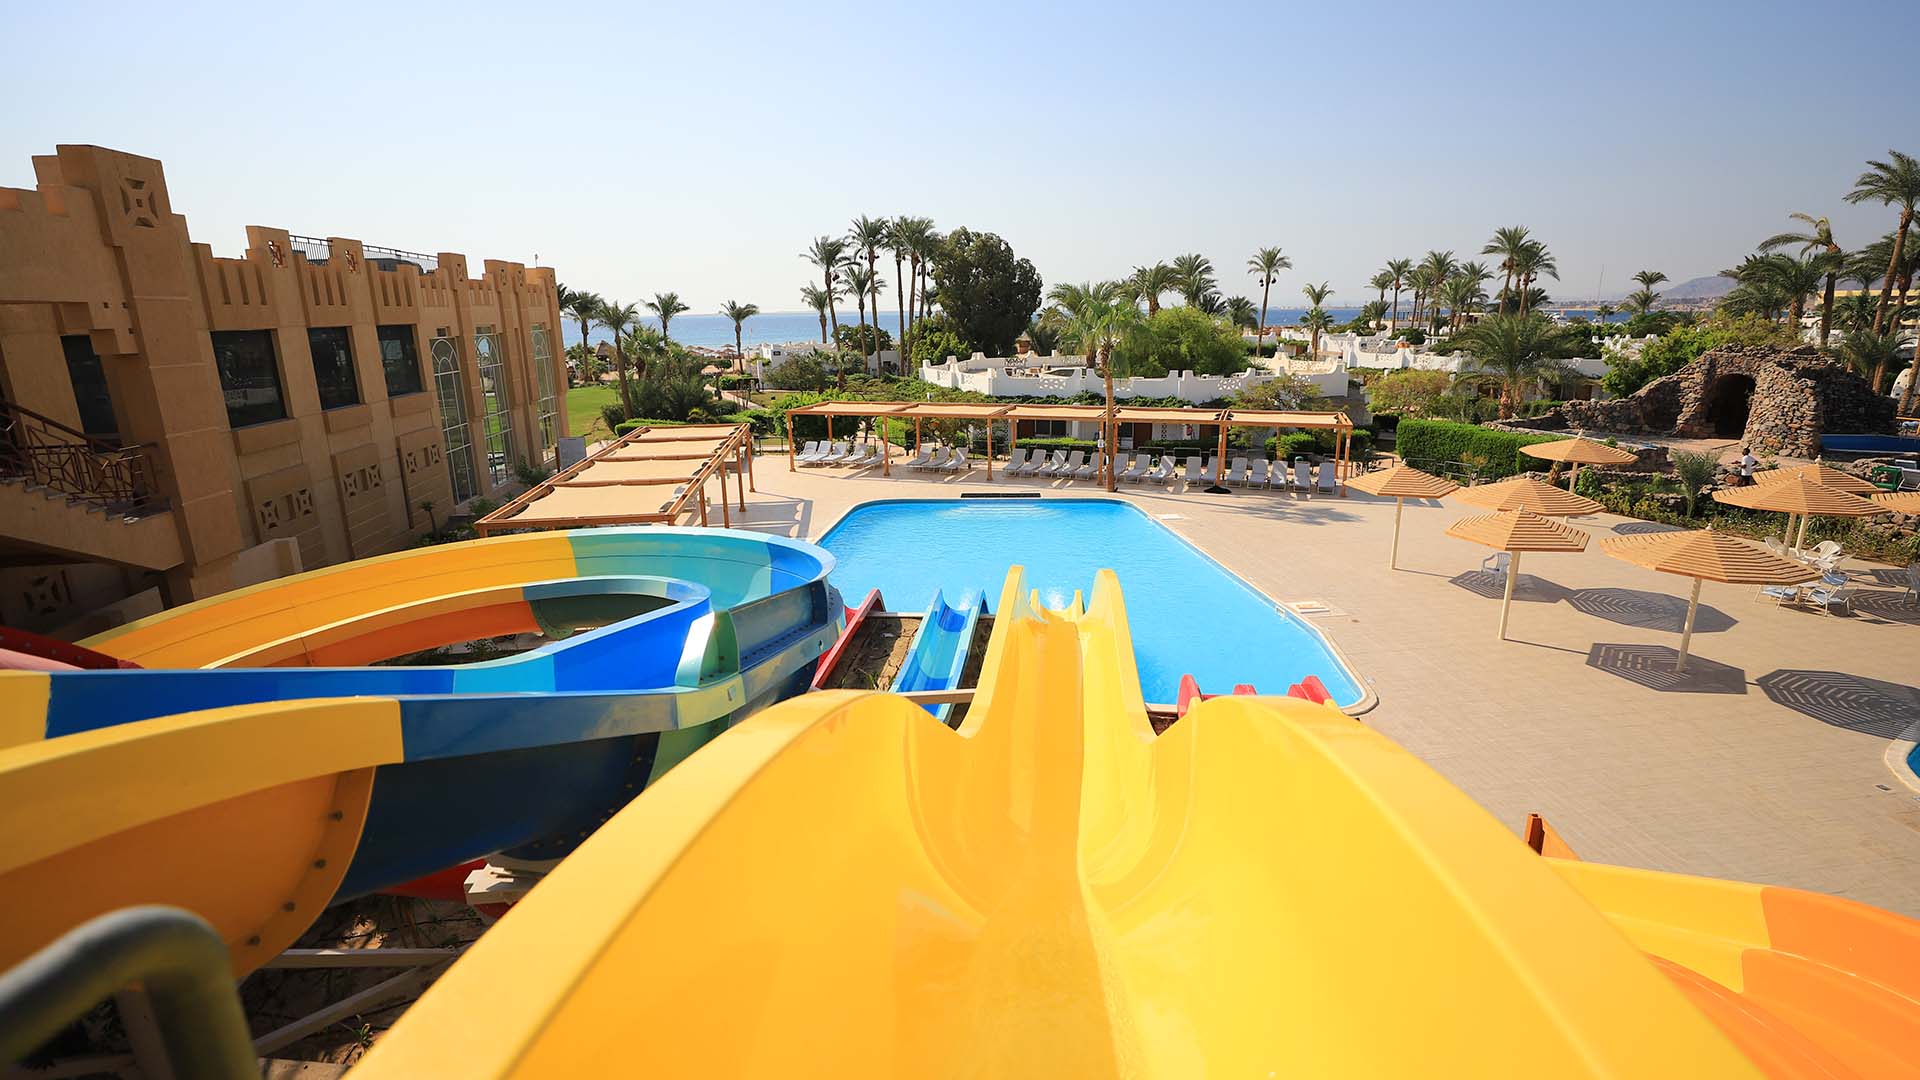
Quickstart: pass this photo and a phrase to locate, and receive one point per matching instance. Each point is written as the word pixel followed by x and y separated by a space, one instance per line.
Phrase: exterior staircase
pixel 67 493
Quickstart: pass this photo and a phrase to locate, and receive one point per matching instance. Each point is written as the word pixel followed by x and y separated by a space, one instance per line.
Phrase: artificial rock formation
pixel 1778 401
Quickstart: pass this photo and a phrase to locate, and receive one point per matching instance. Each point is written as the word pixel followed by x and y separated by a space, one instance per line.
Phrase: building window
pixel 543 372
pixel 333 366
pixel 451 396
pixel 90 393
pixel 250 376
pixel 496 419
pixel 400 360
pixel 1045 429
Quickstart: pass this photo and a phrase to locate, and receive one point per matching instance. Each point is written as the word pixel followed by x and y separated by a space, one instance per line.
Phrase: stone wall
pixel 1797 395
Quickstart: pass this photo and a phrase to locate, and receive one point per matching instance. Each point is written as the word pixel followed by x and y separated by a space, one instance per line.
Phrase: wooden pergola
pixel 648 476
pixel 1223 419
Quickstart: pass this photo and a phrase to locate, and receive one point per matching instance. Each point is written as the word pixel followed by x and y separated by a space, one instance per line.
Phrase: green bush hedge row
pixel 761 419
pixel 1443 440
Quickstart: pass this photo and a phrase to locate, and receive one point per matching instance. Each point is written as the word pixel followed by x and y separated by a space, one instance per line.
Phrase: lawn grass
pixel 583 411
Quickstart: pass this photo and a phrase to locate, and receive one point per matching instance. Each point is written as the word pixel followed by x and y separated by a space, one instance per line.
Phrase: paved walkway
pixel 1765 763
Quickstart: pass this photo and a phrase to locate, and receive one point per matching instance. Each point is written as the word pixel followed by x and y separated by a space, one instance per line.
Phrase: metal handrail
pixel 173 954
pixel 45 452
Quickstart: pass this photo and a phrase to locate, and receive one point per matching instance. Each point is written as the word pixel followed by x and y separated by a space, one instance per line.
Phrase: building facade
pixel 185 424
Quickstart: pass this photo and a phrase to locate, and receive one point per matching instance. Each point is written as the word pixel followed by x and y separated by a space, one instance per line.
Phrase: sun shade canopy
pixel 1711 555
pixel 1526 493
pixel 650 475
pixel 1579 451
pixel 1404 482
pixel 1519 530
pixel 1900 502
pixel 1799 495
pixel 1824 475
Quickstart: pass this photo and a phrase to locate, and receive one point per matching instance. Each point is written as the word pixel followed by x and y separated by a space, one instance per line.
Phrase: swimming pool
pixel 1188 614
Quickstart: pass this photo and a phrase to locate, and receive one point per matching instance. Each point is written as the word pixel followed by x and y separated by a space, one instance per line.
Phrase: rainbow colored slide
pixel 842 886
pixel 253 770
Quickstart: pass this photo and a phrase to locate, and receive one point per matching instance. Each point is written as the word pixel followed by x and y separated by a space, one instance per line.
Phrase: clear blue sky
pixel 698 147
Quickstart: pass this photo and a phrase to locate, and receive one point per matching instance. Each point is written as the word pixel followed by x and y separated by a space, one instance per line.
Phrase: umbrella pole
pixel 1506 604
pixel 1802 541
pixel 1393 560
pixel 1686 632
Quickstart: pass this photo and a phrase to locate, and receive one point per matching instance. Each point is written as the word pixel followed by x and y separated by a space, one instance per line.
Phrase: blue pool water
pixel 1187 613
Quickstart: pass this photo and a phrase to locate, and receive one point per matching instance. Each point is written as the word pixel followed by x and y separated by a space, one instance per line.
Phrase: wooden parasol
pixel 1526 493
pixel 1900 502
pixel 1400 483
pixel 1705 555
pixel 1824 475
pixel 1514 532
pixel 1799 495
pixel 1578 452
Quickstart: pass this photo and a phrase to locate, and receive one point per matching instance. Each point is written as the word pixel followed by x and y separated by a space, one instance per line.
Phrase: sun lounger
pixel 1191 471
pixel 1257 474
pixel 808 452
pixel 933 461
pixel 1828 597
pixel 1082 469
pixel 831 453
pixel 1325 475
pixel 918 459
pixel 1210 474
pixel 1133 471
pixel 1052 466
pixel 868 454
pixel 1071 465
pixel 1161 473
pixel 1302 476
pixel 1237 473
pixel 1016 463
pixel 1779 594
pixel 957 462
pixel 856 458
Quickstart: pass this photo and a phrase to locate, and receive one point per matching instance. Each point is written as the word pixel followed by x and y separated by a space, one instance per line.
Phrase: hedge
pixel 1443 440
pixel 761 419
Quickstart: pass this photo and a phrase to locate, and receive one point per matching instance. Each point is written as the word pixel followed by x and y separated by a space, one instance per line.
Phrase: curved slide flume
pixel 1268 888
pixel 937 656
pixel 255 795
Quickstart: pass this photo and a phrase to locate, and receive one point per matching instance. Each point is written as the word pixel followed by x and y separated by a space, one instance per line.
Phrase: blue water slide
pixel 938 656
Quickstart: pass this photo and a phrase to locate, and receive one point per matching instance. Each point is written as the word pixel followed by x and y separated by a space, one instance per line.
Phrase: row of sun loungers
pixel 1304 477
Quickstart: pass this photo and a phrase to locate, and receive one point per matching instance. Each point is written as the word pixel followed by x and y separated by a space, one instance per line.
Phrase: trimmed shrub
pixel 1050 444
pixel 1443 440
pixel 614 415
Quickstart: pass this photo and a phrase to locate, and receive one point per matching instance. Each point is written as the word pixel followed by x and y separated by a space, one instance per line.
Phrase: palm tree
pixel 819 300
pixel 1381 281
pixel 1640 301
pixel 1507 242
pixel 1239 312
pixel 1399 268
pixel 1870 353
pixel 867 236
pixel 1516 350
pixel 1601 313
pixel 859 279
pixel 1463 293
pixel 1649 278
pixel 1193 274
pixel 926 246
pixel 1816 241
pixel 1266 265
pixel 1149 283
pixel 1420 280
pixel 897 243
pixel 1890 183
pixel 583 307
pixel 1439 266
pixel 619 318
pixel 829 253
pixel 739 313
pixel 1532 260
pixel 1096 319
pixel 1373 312
pixel 664 307
pixel 1316 295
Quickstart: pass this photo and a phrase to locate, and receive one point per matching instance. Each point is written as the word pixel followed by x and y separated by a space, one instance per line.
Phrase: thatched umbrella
pixel 1578 452
pixel 1401 483
pixel 1799 495
pixel 1900 502
pixel 1824 475
pixel 1526 493
pixel 1705 555
pixel 1514 532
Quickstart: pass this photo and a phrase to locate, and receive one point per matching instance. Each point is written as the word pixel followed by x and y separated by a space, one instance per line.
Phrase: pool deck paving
pixel 1765 763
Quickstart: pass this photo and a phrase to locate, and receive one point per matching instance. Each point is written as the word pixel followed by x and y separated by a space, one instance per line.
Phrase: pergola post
pixel 703 506
pixel 790 465
pixel 989 448
pixel 1686 632
pixel 1220 458
pixel 726 509
pixel 747 452
pixel 916 436
pixel 886 450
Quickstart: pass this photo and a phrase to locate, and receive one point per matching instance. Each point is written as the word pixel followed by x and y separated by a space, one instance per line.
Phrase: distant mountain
pixel 1700 288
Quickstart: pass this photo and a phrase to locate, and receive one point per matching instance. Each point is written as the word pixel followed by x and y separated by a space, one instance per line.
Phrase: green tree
pixel 821 301
pixel 1517 351
pixel 1816 242
pixel 664 307
pixel 1871 353
pixel 1694 469
pixel 988 291
pixel 619 318
pixel 1239 311
pixel 802 372
pixel 1507 242
pixel 739 314
pixel 1098 318
pixel 1193 277
pixel 1149 283
pixel 1640 301
pixel 935 339
pixel 1682 345
pixel 1894 182
pixel 1266 265
pixel 1649 278
pixel 867 236
pixel 1439 266
pixel 1413 392
pixel 582 307
pixel 1316 320
pixel 862 340
pixel 1180 338
pixel 1399 268
pixel 1532 260
pixel 860 281
pixel 829 255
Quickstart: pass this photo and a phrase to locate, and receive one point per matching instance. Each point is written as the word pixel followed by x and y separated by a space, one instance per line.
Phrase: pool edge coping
pixel 1369 699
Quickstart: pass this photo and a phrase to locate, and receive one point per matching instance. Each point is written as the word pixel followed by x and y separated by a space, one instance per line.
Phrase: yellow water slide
pixel 842 886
